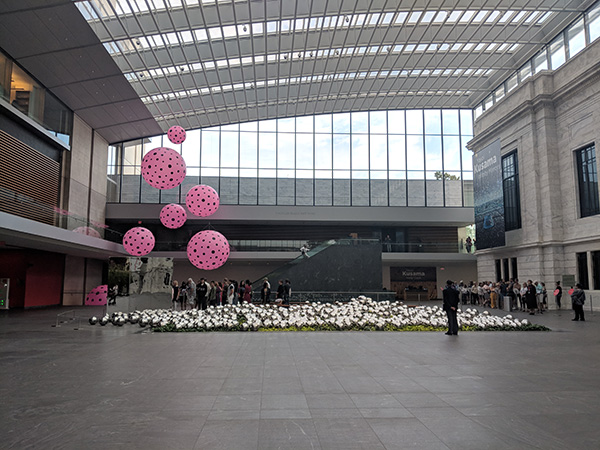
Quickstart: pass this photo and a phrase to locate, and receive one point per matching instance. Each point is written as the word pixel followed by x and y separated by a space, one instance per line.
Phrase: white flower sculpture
pixel 358 314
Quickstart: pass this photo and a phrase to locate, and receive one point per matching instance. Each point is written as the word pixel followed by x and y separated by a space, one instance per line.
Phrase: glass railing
pixel 425 247
pixel 21 205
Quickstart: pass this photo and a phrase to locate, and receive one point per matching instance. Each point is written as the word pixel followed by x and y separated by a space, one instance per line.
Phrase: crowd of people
pixel 530 296
pixel 204 293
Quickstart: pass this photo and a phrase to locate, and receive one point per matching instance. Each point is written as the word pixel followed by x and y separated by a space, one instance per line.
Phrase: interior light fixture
pixel 347 19
pixel 245 28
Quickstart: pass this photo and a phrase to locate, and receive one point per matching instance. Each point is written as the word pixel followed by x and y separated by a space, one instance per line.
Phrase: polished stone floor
pixel 109 387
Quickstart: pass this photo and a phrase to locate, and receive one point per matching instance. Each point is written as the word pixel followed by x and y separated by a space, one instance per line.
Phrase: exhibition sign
pixel 489 198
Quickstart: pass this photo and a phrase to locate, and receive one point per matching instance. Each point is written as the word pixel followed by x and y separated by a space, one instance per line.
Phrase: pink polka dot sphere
pixel 97 296
pixel 202 200
pixel 176 134
pixel 173 216
pixel 138 241
pixel 88 231
pixel 163 168
pixel 208 250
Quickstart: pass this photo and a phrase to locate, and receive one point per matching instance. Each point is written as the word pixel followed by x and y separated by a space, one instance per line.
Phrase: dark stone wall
pixel 337 268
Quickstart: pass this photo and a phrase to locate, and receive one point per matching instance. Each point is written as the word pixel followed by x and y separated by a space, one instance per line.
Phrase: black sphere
pixel 93 320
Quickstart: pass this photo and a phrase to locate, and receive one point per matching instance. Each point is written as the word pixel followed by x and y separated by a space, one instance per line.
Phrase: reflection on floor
pixel 128 388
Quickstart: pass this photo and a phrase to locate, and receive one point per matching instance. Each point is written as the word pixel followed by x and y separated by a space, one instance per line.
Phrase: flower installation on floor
pixel 361 314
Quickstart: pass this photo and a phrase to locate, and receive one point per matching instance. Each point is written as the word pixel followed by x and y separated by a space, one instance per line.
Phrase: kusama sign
pixel 164 168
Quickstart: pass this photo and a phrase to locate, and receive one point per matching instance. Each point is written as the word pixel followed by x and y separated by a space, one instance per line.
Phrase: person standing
pixel 450 305
pixel 212 294
pixel 202 293
pixel 578 299
pixel 174 293
pixel 388 243
pixel 248 292
pixel 231 294
pixel 469 244
pixel 530 298
pixel 183 296
pixel 280 292
pixel 557 294
pixel 219 290
pixel 287 292
pixel 265 293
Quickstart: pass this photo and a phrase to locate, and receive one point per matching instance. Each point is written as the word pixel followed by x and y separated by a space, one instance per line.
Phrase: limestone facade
pixel 546 119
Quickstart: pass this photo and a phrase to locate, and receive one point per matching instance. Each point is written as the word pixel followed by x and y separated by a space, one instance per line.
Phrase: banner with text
pixel 489 198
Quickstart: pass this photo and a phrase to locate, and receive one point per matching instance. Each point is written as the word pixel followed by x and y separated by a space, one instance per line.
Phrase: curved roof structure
pixel 202 63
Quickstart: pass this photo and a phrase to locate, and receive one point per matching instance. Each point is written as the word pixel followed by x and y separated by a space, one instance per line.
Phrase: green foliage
pixel 438 176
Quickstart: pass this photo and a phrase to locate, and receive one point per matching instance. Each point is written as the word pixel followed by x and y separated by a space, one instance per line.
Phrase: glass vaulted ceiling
pixel 200 63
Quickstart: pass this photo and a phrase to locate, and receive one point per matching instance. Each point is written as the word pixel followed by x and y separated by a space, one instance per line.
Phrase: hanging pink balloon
pixel 202 200
pixel 163 168
pixel 88 231
pixel 97 296
pixel 176 134
pixel 208 250
pixel 173 216
pixel 138 241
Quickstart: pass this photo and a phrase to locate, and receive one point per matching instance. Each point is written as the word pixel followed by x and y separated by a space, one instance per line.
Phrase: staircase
pixel 334 265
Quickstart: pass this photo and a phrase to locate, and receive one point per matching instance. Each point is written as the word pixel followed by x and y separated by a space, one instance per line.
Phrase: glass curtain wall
pixel 377 158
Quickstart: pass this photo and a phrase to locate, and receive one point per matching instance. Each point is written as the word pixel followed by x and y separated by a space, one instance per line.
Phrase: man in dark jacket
pixel 451 300
pixel 578 299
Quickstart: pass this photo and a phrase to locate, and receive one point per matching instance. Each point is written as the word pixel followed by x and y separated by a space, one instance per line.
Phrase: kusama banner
pixel 489 197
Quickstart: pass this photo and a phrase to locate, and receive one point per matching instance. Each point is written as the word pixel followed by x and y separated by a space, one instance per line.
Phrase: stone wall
pixel 546 119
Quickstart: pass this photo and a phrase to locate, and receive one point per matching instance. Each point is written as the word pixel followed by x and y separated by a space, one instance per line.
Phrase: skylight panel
pixel 468 46
pixel 397 48
pixel 479 47
pixel 374 18
pixel 315 23
pixel 409 48
pixel 480 16
pixel 544 17
pixel 491 47
pixel 532 16
pixel 466 16
pixel 387 18
pixel 359 19
pixel 298 25
pixel 492 17
pixel 215 33
pixel 432 47
pixel 257 28
pixel 454 16
pixel 171 38
pixel 400 18
pixel 87 11
pixel 229 31
pixel 503 47
pixel 456 47
pixel 506 17
pixel 440 17
pixel 272 26
pixel 519 16
pixel 444 47
pixel 514 47
pixel 414 17
pixel 428 16
pixel 201 35
pixel 122 7
pixel 421 47
pixel 374 49
pixel 285 25
pixel 186 36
